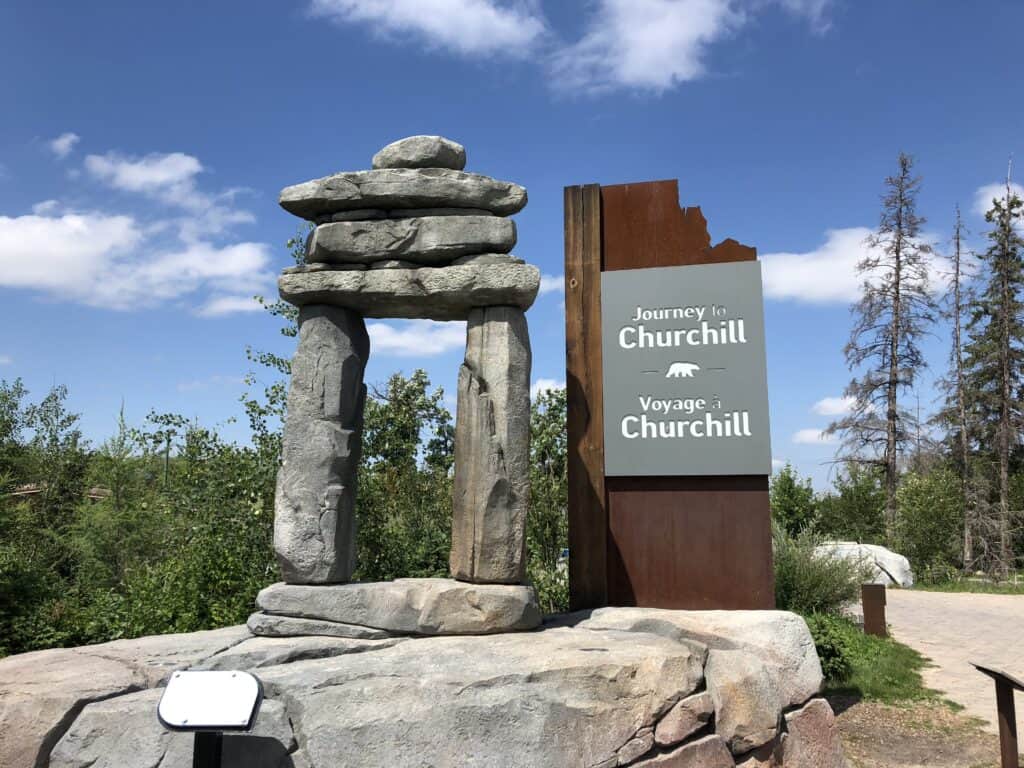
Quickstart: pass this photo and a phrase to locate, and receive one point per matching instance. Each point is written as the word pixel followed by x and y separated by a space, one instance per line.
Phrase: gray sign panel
pixel 685 387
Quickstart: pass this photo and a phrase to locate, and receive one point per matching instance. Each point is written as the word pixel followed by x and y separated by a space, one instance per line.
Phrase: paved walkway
pixel 953 629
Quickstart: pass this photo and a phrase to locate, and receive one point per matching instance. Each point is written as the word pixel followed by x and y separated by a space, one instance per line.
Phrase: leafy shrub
pixel 835 641
pixel 809 583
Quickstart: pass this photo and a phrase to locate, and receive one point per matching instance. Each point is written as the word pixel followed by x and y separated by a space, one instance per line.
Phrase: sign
pixel 210 701
pixel 685 389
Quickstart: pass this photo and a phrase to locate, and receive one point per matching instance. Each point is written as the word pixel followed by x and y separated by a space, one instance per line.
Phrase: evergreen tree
pixel 893 313
pixel 994 360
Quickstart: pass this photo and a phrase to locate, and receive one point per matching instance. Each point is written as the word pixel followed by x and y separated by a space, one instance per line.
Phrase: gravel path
pixel 953 629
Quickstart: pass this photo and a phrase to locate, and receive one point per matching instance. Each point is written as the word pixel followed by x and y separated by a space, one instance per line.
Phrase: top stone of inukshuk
pixel 377 230
pixel 416 237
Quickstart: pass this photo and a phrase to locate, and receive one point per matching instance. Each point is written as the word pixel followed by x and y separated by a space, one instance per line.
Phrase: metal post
pixel 206 751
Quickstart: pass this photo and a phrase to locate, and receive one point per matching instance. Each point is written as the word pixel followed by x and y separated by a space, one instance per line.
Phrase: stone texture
pixel 684 719
pixel 314 509
pixel 138 739
pixel 570 695
pixel 408 213
pixel 429 241
pixel 890 568
pixel 761 663
pixel 397 188
pixel 42 693
pixel 259 652
pixel 765 756
pixel 364 214
pixel 422 152
pixel 394 264
pixel 270 625
pixel 812 738
pixel 482 259
pixel 707 752
pixel 411 606
pixel 636 747
pixel 302 269
pixel 491 489
pixel 447 293
pixel 561 698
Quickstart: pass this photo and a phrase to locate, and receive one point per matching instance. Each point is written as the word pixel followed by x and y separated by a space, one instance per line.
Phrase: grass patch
pixel 983 586
pixel 868 667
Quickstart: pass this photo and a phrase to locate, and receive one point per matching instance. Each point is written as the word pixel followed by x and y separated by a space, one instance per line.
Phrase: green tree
pixel 547 530
pixel 994 364
pixel 930 523
pixel 792 500
pixel 855 509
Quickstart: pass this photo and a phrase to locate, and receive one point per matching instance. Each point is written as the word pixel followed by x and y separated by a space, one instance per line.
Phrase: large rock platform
pixel 616 687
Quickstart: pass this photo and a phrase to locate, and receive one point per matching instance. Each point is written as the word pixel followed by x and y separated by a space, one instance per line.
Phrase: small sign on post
pixel 209 703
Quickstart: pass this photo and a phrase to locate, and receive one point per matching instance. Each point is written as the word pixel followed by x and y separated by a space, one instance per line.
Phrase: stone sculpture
pixel 416 237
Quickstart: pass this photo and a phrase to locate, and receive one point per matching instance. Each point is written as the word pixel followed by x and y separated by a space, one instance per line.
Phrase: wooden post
pixel 1006 684
pixel 694 542
pixel 873 601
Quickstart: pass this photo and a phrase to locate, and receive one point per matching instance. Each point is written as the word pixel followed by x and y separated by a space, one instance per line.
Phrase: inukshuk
pixel 416 237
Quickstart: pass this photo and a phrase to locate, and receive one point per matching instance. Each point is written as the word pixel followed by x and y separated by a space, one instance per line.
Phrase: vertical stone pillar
pixel 314 508
pixel 491 493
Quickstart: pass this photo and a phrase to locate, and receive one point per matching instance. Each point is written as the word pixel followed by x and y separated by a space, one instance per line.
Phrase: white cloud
pixel 828 274
pixel 63 144
pixel 833 406
pixel 416 338
pixel 46 207
pixel 645 44
pixel 466 27
pixel 551 284
pixel 545 385
pixel 825 275
pixel 108 260
pixel 6 360
pixel 984 196
pixel 217 306
pixel 815 11
pixel 813 437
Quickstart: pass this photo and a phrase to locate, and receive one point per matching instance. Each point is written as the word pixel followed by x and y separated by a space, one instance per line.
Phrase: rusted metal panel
pixel 667 542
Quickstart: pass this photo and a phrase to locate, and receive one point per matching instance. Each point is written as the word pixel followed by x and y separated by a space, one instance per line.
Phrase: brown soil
pixel 927 734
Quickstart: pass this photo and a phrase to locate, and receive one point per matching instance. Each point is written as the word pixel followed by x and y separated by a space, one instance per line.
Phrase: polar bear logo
pixel 682 370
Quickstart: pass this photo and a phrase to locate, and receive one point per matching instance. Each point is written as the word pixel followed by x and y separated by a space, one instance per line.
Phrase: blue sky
pixel 143 145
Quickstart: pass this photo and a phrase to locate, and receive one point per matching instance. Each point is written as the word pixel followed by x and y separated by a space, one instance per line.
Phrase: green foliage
pixel 930 522
pixel 833 639
pixel 404 503
pixel 792 500
pixel 547 531
pixel 855 510
pixel 880 669
pixel 807 582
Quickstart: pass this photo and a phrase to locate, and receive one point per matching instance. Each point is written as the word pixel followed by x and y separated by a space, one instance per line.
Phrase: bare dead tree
pixel 894 312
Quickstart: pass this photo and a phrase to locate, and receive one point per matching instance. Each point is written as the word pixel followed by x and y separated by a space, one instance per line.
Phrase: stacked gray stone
pixel 415 237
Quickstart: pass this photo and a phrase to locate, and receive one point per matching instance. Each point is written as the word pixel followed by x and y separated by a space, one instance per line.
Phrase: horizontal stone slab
pixel 371 214
pixel 429 241
pixel 393 188
pixel 272 625
pixel 432 293
pixel 410 606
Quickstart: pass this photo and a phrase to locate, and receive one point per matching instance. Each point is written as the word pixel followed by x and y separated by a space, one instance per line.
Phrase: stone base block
pixel 271 625
pixel 409 606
